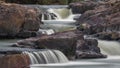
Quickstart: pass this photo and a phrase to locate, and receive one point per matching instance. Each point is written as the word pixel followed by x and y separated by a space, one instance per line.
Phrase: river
pixel 111 48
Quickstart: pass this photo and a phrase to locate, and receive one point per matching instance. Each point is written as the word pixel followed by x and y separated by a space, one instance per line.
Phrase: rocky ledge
pixel 71 43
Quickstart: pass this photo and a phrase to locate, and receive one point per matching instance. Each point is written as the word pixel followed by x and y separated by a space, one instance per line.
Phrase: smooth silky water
pixel 65 22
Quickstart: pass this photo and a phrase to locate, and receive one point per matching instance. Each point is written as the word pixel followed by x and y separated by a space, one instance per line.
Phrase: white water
pixel 46 31
pixel 47 56
pixel 63 21
pixel 111 48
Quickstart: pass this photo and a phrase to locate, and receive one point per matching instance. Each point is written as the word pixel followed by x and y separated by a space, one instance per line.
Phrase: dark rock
pixel 88 48
pixel 68 42
pixel 108 35
pixel 81 7
pixel 14 50
pixel 104 18
pixel 26 34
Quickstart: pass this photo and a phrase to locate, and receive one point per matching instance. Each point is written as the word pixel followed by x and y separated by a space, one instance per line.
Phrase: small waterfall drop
pixel 61 13
pixel 46 56
pixel 111 48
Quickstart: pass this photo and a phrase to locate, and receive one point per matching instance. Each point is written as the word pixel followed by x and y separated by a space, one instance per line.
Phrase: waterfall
pixel 111 48
pixel 46 56
pixel 62 20
pixel 63 13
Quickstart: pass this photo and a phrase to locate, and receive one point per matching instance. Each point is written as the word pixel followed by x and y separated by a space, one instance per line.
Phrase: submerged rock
pixel 15 18
pixel 67 42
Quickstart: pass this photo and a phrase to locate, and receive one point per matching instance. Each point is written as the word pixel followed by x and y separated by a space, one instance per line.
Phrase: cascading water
pixel 47 56
pixel 111 48
pixel 63 19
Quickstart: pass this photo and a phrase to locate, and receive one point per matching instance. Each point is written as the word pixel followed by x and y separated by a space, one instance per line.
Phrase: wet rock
pixel 81 7
pixel 26 34
pixel 108 35
pixel 67 42
pixel 104 18
pixel 15 61
pixel 88 48
pixel 13 50
pixel 16 18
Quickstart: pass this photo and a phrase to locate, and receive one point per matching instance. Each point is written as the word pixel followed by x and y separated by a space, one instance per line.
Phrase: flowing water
pixel 46 57
pixel 64 21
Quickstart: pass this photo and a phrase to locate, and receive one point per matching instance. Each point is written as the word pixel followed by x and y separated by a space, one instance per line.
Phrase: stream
pixel 64 23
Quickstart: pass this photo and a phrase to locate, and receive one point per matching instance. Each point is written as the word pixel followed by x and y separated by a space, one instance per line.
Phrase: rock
pixel 67 42
pixel 26 34
pixel 15 61
pixel 16 18
pixel 11 50
pixel 104 18
pixel 88 49
pixel 81 7
pixel 108 36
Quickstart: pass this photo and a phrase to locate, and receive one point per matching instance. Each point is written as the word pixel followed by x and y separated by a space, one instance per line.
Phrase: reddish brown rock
pixel 15 18
pixel 15 61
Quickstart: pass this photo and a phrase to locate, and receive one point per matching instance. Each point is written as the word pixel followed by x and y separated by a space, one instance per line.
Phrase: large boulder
pixel 104 18
pixel 88 48
pixel 15 19
pixel 82 6
pixel 15 61
pixel 67 42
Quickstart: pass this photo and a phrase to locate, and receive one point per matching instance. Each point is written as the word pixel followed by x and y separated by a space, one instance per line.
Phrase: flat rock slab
pixel 69 42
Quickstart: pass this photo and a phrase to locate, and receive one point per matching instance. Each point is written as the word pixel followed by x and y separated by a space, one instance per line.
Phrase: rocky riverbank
pixel 99 19
pixel 102 18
